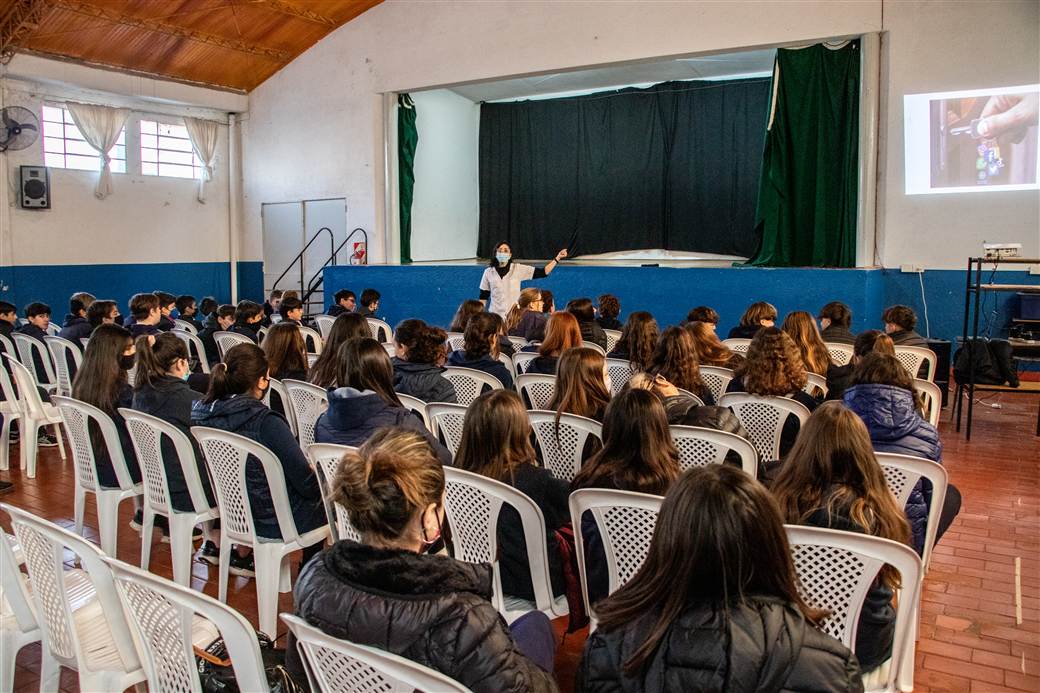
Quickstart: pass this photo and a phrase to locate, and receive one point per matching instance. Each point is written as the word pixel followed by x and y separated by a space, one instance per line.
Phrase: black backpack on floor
pixel 992 361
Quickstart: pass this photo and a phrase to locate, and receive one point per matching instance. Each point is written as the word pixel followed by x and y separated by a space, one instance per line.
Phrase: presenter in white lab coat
pixel 500 283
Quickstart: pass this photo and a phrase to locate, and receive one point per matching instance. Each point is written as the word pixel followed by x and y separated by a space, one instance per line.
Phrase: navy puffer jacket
pixel 895 426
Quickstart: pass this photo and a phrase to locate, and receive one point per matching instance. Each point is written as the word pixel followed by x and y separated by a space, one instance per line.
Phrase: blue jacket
pixel 485 363
pixel 895 426
pixel 75 328
pixel 423 380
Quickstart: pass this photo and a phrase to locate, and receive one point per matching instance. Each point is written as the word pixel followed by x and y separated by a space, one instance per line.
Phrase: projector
pixel 996 251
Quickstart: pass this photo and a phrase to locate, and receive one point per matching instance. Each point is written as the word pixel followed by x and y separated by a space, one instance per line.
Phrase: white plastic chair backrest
pixel 196 349
pixel 8 347
pixel 699 447
pixel 324 323
pixel 699 402
pixel 146 434
pixel 472 503
pixel 626 521
pixel 620 372
pixel 594 347
pixel 325 457
pixel 716 379
pixel 469 383
pixel 562 446
pixel 737 345
pixel 77 415
pixel 308 402
pixel 60 349
pixel 537 387
pixel 44 545
pixel 912 357
pixel 27 346
pixel 227 456
pixel 455 342
pixel 334 664
pixel 278 387
pixel 390 349
pixel 226 340
pixel 521 359
pixel 448 420
pixel 374 324
pixel 613 337
pixel 814 381
pixel 53 329
pixel 161 613
pixel 7 389
pixel 15 595
pixel 260 334
pixel 414 404
pixel 932 399
pixel 517 342
pixel 185 326
pixel 836 570
pixel 314 336
pixel 841 354
pixel 902 472
pixel 84 341
pixel 763 418
pixel 25 384
pixel 507 361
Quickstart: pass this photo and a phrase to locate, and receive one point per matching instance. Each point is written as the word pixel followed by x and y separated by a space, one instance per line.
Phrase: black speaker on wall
pixel 34 189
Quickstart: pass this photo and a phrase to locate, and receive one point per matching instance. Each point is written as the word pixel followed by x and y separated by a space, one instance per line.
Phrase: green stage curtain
pixel 407 141
pixel 807 193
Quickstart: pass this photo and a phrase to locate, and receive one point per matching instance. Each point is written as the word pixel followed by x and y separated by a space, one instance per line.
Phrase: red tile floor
pixel 980 631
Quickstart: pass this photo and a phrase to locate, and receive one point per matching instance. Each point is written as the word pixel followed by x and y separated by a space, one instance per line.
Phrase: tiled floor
pixel 973 638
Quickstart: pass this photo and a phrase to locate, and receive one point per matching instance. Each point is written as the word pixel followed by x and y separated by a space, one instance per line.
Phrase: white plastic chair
pixel 697 400
pixel 18 626
pixel 594 347
pixel 309 333
pixel 517 342
pixel 8 347
pixel 146 433
pixel 932 399
pixel 79 612
pixel 626 521
pixel 521 359
pixel 613 337
pixel 278 387
pixel 308 402
pixel 184 326
pixel 226 340
pixel 374 325
pixel 447 421
pixel 561 453
pixel 196 349
pixel 912 357
pixel 325 457
pixel 469 383
pixel 455 341
pixel 416 405
pixel 28 346
pixel 836 570
pixel 536 389
pixel 339 665
pixel 764 418
pixel 472 503
pixel 902 472
pixel 77 415
pixel 53 329
pixel 699 447
pixel 10 411
pixel 170 620
pixel 716 379
pixel 260 334
pixel 390 349
pixel 841 354
pixel 324 323
pixel 737 345
pixel 815 382
pixel 620 372
pixel 35 413
pixel 507 361
pixel 227 456
pixel 61 350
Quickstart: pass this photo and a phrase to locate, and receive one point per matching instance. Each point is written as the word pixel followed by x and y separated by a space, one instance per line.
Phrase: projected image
pixel 975 141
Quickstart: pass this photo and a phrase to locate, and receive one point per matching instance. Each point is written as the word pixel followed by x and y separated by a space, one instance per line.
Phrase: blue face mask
pixel 187 374
pixel 502 258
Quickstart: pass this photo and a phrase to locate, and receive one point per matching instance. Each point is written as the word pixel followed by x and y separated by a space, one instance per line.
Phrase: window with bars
pixel 166 151
pixel 64 146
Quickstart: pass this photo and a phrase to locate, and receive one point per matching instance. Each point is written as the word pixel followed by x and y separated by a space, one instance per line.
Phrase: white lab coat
pixel 505 291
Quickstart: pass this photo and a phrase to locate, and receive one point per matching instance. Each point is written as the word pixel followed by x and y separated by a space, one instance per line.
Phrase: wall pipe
pixel 234 200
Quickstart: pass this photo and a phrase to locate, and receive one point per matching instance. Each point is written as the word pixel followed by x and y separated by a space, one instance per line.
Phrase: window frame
pixel 115 161
pixel 197 165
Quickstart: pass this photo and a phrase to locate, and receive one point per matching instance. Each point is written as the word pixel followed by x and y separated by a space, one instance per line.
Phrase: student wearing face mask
pixel 500 283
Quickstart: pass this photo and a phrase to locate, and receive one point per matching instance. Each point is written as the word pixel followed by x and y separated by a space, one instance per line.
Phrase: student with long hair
pixel 286 356
pixel 758 315
pixel 467 309
pixel 676 359
pixel 561 333
pixel 526 319
pixel 710 349
pixel 496 442
pixel 800 327
pixel 481 348
pixel 418 365
pixel 839 378
pixel 364 400
pixel 831 479
pixel 585 312
pixel 346 326
pixel 706 314
pixel 582 384
pixel 638 340
pixel 715 605
pixel 391 592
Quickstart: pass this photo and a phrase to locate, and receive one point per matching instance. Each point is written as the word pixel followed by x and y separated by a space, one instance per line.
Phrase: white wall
pixel 446 208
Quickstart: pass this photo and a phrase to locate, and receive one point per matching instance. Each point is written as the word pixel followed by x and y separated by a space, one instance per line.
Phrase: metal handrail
pixel 299 257
pixel 318 278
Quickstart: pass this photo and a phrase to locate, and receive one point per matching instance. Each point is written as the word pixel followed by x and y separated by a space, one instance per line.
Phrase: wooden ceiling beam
pixel 19 21
pixel 287 8
pixel 161 27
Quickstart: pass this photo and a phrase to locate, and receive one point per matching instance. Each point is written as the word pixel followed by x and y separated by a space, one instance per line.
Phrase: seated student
pixel 481 348
pixel 582 384
pixel 801 327
pixel 582 309
pixel 466 310
pixel 286 356
pixel 900 322
pixel 715 605
pixel 291 310
pixel 247 320
pixel 207 306
pixel 835 319
pixel 839 378
pixel 496 442
pixel 145 314
pixel 882 394
pixel 417 366
pixel 76 325
pixel 638 340
pixel 365 400
pixel 220 320
pixel 39 316
pixel 637 455
pixel 102 312
pixel 167 304
pixel 710 349
pixel 683 410
pixel 369 306
pixel 326 369
pixel 757 316
pixel 233 404
pixel 676 359
pixel 609 310
pixel 526 319
pixel 561 333
pixel 704 314
pixel 345 302
pixel 8 319
pixel 390 591
pixel 832 480
pixel 271 305
pixel 187 311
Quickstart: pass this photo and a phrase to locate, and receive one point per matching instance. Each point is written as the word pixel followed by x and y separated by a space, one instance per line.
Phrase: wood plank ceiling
pixel 231 44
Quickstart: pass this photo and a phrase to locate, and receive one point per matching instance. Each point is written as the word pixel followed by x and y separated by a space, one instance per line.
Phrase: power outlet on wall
pixel 911 269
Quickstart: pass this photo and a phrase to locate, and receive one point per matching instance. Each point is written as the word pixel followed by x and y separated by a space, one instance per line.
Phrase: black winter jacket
pixel 75 328
pixel 485 363
pixel 423 380
pixel 551 495
pixel 838 335
pixel 209 328
pixel 592 332
pixel 430 609
pixel 764 645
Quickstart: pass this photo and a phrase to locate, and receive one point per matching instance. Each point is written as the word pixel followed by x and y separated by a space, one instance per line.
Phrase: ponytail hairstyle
pixel 243 367
pixel 884 345
pixel 364 365
pixel 467 309
pixel 427 344
pixel 346 326
pixel 285 349
pixel 154 361
pixel 479 332
pixel 100 378
pixel 387 481
pixel 528 296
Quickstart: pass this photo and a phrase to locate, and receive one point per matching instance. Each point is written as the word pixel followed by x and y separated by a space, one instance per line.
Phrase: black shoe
pixel 209 553
pixel 6 486
pixel 135 524
pixel 242 566
pixel 45 440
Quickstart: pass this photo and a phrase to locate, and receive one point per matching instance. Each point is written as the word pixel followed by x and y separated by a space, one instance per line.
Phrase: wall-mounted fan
pixel 19 128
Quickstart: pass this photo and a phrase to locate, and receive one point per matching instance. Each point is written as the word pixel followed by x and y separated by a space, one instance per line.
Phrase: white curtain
pixel 100 127
pixel 203 135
